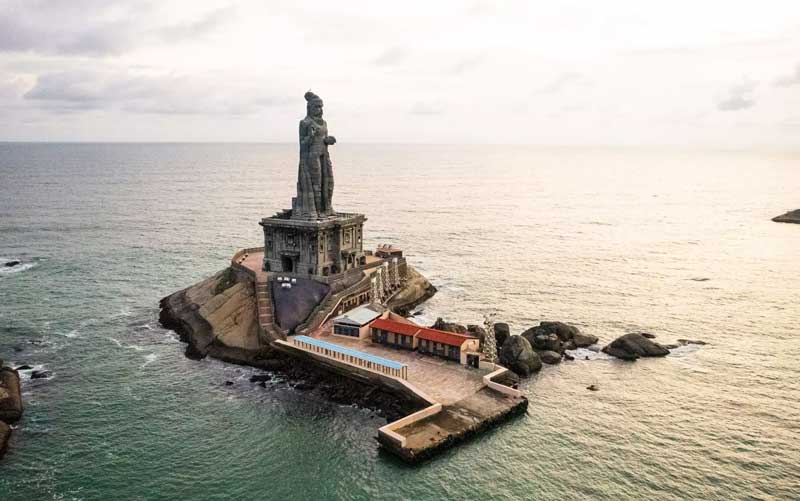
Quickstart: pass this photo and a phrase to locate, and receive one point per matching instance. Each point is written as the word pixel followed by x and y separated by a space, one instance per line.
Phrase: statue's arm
pixel 306 133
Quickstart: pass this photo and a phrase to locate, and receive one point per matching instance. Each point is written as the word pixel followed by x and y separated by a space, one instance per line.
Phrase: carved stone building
pixel 311 238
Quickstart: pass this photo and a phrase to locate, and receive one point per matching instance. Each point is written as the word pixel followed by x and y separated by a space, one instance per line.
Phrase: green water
pixel 610 240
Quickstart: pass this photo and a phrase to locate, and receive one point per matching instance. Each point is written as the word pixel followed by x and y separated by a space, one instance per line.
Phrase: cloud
pixel 466 64
pixel 789 80
pixel 390 57
pixel 563 81
pixel 738 97
pixel 166 94
pixel 93 27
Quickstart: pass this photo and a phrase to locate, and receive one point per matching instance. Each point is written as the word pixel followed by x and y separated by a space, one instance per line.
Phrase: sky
pixel 613 72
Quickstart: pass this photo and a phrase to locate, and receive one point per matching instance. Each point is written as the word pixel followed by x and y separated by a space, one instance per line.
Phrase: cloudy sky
pixel 633 72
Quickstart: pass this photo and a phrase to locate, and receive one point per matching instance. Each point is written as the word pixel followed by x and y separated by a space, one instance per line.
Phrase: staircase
pixel 264 305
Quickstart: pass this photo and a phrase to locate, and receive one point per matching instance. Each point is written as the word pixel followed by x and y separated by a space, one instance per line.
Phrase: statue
pixel 315 172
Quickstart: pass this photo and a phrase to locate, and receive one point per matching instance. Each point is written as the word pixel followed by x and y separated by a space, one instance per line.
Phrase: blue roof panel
pixel 353 353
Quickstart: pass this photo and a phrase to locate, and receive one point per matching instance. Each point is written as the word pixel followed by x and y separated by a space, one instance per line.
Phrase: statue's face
pixel 316 109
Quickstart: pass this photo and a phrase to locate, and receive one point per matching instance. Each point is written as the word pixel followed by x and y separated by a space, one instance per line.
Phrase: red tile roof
pixel 393 326
pixel 444 337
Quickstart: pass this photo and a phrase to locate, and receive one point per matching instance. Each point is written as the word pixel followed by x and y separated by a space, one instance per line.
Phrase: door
pixel 473 360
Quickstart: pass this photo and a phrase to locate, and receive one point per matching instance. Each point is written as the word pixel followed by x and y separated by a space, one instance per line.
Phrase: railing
pixel 388 430
pixel 487 380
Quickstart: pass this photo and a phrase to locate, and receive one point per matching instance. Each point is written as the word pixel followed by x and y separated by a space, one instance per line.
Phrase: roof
pixel 358 316
pixel 353 353
pixel 444 337
pixel 396 327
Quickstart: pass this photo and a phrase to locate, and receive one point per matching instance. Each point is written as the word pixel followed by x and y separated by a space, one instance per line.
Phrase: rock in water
pixel 592 387
pixel 793 216
pixel 550 357
pixel 40 374
pixel 517 355
pixel 501 333
pixel 442 325
pixel 634 345
pixel 564 332
pixel 5 435
pixel 684 342
pixel 10 396
pixel 11 263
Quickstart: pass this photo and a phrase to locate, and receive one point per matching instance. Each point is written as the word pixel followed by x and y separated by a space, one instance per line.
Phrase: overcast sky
pixel 698 73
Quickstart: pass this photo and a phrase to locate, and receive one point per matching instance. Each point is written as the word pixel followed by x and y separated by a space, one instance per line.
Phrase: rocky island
pixel 10 404
pixel 792 216
pixel 312 304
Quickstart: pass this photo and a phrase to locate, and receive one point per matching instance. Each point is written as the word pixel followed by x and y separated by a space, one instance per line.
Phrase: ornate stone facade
pixel 311 238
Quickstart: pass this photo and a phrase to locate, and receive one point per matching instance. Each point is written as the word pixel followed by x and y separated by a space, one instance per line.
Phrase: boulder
pixel 518 356
pixel 501 333
pixel 442 325
pixel 10 396
pixel 567 356
pixel 793 216
pixel 5 435
pixel 634 345
pixel 23 368
pixel 13 262
pixel 543 342
pixel 560 329
pixel 582 340
pixel 40 374
pixel 550 357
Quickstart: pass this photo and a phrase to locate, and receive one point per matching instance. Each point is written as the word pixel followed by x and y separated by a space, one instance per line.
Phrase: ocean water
pixel 678 243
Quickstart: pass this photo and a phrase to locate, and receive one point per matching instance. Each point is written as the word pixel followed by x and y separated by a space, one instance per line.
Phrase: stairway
pixel 265 311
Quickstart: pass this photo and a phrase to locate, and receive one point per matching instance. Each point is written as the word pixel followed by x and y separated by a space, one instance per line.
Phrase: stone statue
pixel 315 173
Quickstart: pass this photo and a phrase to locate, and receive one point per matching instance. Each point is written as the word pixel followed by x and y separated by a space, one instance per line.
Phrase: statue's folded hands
pixel 330 140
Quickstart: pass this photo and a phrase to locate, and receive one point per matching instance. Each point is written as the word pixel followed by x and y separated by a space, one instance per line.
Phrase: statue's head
pixel 313 105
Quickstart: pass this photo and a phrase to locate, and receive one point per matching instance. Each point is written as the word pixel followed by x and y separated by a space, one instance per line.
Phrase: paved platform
pixel 445 381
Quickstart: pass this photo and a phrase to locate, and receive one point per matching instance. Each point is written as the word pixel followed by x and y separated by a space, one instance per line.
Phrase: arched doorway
pixel 287 264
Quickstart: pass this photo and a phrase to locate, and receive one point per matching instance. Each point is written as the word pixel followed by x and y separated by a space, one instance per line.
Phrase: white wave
pixel 126 346
pixel 149 359
pixel 4 270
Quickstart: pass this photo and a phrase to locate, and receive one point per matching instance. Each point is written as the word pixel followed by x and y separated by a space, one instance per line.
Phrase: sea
pixel 674 242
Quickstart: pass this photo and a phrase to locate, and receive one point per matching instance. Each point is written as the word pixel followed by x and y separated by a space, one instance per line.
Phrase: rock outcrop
pixel 10 404
pixel 518 356
pixel 550 357
pixel 792 216
pixel 634 345
pixel 501 333
pixel 443 325
pixel 416 290
pixel 557 336
pixel 12 263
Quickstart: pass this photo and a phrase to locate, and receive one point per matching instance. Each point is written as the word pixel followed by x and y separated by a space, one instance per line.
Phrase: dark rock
pixel 262 384
pixel 23 368
pixel 692 341
pixel 5 435
pixel 582 340
pixel 793 216
pixel 477 331
pixel 228 383
pixel 441 325
pixel 13 262
pixel 304 386
pixel 567 356
pixel 560 329
pixel 592 387
pixel 550 357
pixel 40 374
pixel 10 396
pixel 634 345
pixel 568 345
pixel 260 378
pixel 647 335
pixel 543 342
pixel 518 356
pixel 501 333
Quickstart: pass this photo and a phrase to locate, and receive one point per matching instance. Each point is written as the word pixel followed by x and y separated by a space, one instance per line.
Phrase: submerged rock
pixel 550 357
pixel 634 345
pixel 13 262
pixel 40 374
pixel 793 216
pixel 517 355
pixel 592 387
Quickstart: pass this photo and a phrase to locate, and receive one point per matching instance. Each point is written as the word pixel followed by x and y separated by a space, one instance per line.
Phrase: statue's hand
pixel 330 140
